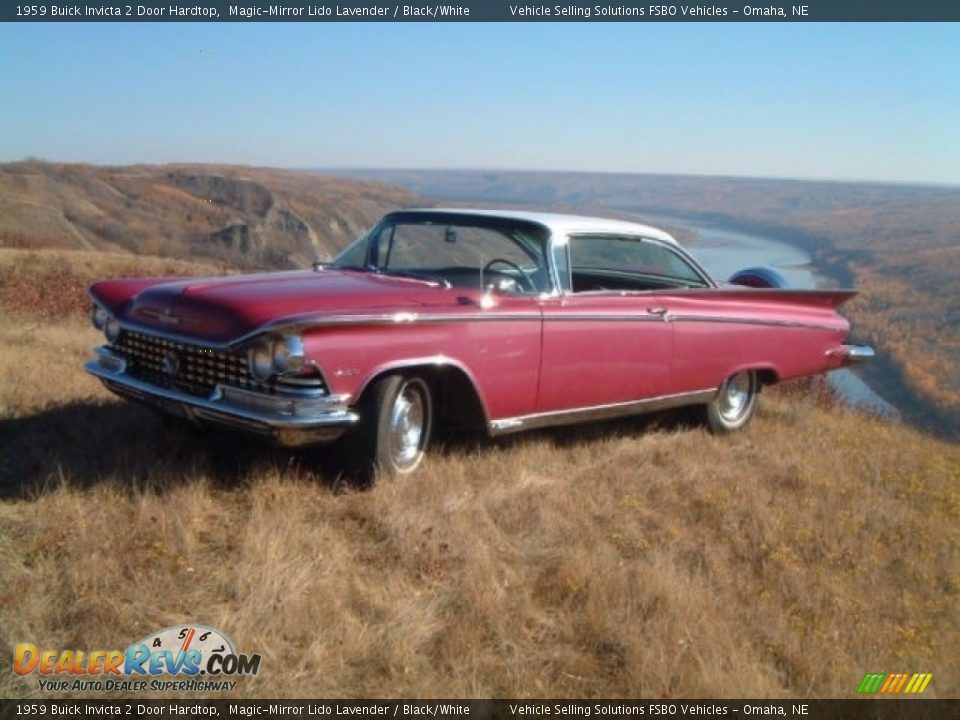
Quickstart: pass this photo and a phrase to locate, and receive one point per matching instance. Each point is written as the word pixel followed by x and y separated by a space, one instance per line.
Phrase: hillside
pixel 247 217
pixel 637 558
pixel 899 245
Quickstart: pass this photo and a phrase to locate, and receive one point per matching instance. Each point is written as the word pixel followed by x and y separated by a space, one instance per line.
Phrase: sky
pixel 877 102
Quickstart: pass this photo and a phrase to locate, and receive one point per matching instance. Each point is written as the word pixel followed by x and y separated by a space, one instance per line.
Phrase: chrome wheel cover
pixel 407 427
pixel 735 397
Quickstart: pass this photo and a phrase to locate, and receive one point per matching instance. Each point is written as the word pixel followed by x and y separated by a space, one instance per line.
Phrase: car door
pixel 607 338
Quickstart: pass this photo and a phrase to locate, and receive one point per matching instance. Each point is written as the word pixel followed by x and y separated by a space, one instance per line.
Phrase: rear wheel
pixel 735 402
pixel 396 423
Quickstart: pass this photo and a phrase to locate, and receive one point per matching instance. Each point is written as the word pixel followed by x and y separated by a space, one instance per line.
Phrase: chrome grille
pixel 189 368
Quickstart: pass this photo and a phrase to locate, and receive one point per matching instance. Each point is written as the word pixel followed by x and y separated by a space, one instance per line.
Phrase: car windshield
pixel 458 250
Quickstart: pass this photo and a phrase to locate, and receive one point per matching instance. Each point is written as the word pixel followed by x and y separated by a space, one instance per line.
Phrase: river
pixel 723 251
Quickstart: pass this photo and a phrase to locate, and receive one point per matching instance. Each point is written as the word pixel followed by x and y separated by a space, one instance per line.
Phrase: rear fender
pixel 810 298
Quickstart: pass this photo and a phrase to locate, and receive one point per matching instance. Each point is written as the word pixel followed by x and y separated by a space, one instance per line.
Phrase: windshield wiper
pixel 413 275
pixel 354 268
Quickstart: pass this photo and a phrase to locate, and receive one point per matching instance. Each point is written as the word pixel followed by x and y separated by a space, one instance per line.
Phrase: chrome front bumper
pixel 290 421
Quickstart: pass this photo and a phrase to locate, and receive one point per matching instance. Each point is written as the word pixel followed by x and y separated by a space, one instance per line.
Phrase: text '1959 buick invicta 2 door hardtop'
pixel 515 320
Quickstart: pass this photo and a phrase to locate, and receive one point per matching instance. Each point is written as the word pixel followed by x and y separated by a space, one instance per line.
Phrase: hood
pixel 224 308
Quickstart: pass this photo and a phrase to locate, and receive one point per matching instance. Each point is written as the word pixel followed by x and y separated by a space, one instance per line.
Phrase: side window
pixel 628 263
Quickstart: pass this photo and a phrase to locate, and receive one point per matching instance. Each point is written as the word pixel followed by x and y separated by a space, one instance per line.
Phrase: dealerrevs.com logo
pixel 186 658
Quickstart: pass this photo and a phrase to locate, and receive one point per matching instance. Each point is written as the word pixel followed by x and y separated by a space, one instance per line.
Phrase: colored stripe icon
pixel 894 683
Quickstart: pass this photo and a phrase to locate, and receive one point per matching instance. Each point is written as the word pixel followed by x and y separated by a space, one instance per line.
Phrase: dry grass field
pixel 640 558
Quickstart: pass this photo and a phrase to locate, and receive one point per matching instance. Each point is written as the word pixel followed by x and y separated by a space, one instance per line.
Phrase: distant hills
pixel 845 213
pixel 899 245
pixel 246 217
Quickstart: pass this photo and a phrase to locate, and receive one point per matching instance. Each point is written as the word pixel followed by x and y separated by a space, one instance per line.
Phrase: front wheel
pixel 735 403
pixel 396 423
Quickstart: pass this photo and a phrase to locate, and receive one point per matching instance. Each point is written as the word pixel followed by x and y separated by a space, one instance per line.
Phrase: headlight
pixel 99 317
pixel 288 354
pixel 112 329
pixel 260 359
pixel 275 356
pixel 103 320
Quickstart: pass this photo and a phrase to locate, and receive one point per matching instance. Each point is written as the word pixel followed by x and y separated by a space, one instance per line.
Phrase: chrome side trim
pixel 599 412
pixel 398 318
pixel 294 323
pixel 749 321
pixel 604 317
pixel 299 322
pixel 644 316
pixel 649 316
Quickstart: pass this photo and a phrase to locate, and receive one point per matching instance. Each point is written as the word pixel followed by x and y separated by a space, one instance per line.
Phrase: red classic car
pixel 517 320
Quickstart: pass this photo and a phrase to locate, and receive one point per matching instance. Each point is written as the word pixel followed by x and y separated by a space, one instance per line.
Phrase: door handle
pixel 659 311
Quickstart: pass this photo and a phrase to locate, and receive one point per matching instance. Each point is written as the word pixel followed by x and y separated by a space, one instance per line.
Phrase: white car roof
pixel 561 224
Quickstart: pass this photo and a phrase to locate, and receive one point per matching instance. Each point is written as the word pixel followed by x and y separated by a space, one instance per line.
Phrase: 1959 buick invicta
pixel 516 320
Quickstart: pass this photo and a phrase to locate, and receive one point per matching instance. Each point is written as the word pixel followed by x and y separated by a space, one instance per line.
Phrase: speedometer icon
pixel 179 640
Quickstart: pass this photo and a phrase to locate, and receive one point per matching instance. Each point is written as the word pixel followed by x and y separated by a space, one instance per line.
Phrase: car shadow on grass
pixel 85 443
